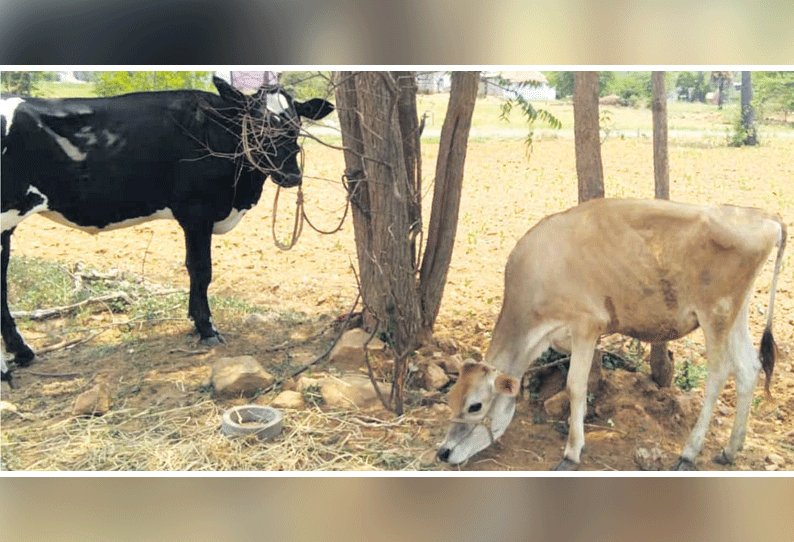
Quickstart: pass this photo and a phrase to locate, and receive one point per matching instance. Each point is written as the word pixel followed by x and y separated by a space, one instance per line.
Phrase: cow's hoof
pixel 722 459
pixel 566 465
pixel 212 341
pixel 5 376
pixel 684 465
pixel 24 357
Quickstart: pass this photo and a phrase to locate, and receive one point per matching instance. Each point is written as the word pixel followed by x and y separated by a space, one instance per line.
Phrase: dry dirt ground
pixel 157 378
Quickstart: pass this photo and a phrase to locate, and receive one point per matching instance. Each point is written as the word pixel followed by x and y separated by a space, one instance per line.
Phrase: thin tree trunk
pixel 662 368
pixel 446 194
pixel 748 114
pixel 587 139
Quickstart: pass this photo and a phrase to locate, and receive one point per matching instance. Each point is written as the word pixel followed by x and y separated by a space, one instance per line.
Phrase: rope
pixel 300 216
pixel 297 228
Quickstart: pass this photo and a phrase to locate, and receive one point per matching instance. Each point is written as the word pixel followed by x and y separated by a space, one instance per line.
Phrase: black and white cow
pixel 98 164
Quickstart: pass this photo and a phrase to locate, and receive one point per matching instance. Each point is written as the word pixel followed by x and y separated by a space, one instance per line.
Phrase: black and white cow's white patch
pixel 98 164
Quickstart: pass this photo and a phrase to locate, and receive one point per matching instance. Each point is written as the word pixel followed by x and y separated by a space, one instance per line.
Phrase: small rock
pixel 352 391
pixel 649 459
pixel 6 406
pixel 451 364
pixel 557 405
pixel 433 376
pixel 348 354
pixel 94 402
pixel 775 459
pixel 305 382
pixel 288 399
pixel 771 467
pixel 448 345
pixel 239 376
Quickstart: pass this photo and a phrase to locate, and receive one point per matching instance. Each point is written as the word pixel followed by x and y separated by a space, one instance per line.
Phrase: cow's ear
pixel 507 385
pixel 314 109
pixel 227 92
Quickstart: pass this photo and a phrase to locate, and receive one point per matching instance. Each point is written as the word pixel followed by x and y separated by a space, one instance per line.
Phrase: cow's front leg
pixel 198 245
pixel 583 345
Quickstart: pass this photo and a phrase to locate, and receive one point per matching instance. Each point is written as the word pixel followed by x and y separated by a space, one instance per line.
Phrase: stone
pixel 433 377
pixel 288 399
pixel 348 353
pixel 351 391
pixel 239 376
pixel 649 458
pixel 775 459
pixel 448 345
pixel 94 402
pixel 558 405
pixel 305 382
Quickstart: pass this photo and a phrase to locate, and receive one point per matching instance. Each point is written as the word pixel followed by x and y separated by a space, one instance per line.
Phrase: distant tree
pixel 692 86
pixel 112 83
pixel 24 83
pixel 721 81
pixel 306 85
pixel 563 82
pixel 747 134
pixel 633 87
pixel 774 93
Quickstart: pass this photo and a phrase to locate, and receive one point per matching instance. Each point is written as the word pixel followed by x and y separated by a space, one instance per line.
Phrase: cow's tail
pixel 768 346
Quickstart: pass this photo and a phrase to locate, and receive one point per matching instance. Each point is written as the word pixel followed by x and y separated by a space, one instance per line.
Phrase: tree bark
pixel 660 160
pixel 446 194
pixel 662 368
pixel 381 193
pixel 587 139
pixel 748 114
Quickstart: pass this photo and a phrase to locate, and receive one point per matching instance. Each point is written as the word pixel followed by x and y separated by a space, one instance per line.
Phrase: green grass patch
pixel 35 283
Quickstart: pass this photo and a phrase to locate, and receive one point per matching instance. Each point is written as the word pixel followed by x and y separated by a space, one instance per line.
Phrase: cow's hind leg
pixel 582 349
pixel 744 360
pixel 14 342
pixel 198 247
pixel 718 371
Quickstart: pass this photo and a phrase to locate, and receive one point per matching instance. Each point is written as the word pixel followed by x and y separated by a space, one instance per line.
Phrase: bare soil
pixel 158 368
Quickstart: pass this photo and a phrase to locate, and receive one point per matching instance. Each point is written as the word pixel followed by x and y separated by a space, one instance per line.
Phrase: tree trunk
pixel 380 134
pixel 748 114
pixel 587 139
pixel 446 195
pixel 382 193
pixel 661 362
pixel 660 162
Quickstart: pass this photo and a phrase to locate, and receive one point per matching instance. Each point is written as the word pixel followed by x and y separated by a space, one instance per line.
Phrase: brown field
pixel 163 417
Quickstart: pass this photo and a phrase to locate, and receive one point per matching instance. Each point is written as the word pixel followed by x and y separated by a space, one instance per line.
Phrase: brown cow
pixel 652 270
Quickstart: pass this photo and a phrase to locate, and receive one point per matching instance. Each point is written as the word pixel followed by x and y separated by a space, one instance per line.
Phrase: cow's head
pixel 270 120
pixel 483 402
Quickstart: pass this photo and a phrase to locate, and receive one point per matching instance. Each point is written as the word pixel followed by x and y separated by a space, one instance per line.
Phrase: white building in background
pixel 530 85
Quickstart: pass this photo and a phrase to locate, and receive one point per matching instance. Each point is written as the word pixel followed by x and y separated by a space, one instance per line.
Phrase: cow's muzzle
pixel 287 180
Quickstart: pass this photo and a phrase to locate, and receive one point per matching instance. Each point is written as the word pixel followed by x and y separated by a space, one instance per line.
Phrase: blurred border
pixel 395 509
pixel 407 32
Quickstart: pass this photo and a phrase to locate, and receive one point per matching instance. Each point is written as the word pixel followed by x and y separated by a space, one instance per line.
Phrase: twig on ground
pixel 43 314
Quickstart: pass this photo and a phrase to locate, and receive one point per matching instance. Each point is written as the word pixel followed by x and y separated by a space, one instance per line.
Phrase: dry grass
pixel 189 439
